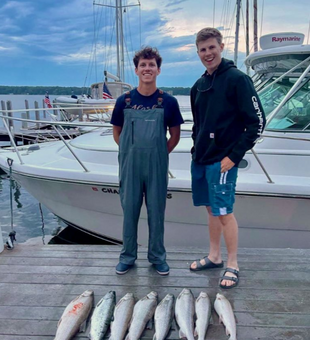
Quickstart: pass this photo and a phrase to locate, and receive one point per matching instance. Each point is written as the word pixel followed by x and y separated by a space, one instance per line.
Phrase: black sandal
pixel 230 278
pixel 208 265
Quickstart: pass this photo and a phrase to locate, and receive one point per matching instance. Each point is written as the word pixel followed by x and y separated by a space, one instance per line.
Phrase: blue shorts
pixel 212 188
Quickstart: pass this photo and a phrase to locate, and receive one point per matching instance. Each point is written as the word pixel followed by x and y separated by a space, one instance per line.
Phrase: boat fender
pixel 11 239
pixel 34 147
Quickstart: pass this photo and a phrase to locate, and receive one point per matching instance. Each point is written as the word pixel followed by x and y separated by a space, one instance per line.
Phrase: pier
pixel 37 282
pixel 38 129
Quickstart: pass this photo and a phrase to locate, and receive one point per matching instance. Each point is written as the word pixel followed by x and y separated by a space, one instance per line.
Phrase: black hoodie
pixel 228 115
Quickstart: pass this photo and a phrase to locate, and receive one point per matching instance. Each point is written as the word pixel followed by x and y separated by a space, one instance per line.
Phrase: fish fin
pixel 211 321
pixel 181 334
pixel 154 336
pixel 149 324
pixel 83 326
pixel 220 319
pixel 195 332
pixel 127 337
pixel 173 324
pixel 59 322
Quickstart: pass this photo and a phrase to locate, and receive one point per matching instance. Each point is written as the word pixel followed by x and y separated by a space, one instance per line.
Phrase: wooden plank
pixel 23 294
pixel 151 278
pixel 253 252
pixel 44 328
pixel 106 263
pixel 188 250
pixel 171 257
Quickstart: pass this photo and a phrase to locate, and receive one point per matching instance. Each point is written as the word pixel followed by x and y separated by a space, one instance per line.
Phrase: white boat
pixel 79 181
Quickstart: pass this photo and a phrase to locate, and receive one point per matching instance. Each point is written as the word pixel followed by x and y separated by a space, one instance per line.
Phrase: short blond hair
pixel 207 33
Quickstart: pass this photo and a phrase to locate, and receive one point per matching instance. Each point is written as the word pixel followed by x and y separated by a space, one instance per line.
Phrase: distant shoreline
pixel 59 90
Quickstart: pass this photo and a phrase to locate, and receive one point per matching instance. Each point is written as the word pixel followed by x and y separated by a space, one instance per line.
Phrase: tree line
pixel 59 90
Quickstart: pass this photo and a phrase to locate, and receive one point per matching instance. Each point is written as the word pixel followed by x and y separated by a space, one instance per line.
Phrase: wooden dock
pixel 272 301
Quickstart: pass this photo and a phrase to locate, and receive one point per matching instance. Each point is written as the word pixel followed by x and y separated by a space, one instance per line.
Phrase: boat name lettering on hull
pixel 110 191
pixel 116 191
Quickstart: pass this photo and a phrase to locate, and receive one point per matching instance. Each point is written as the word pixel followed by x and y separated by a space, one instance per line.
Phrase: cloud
pixel 175 2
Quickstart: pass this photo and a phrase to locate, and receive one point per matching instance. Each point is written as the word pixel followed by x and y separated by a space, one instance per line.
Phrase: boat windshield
pixel 295 114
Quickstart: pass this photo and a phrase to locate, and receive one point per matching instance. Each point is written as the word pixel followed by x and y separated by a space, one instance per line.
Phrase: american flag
pixel 106 94
pixel 47 100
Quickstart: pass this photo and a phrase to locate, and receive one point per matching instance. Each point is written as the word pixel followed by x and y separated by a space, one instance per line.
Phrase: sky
pixel 72 42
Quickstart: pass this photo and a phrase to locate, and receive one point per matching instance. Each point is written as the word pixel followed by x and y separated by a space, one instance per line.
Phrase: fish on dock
pixel 203 314
pixel 225 312
pixel 164 315
pixel 184 313
pixel 102 316
pixel 74 316
pixel 122 316
pixel 142 313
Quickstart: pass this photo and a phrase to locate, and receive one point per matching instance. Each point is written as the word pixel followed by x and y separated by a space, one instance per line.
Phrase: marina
pixel 59 177
pixel 38 282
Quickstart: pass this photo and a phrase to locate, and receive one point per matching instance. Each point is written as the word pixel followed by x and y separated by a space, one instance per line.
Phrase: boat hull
pixel 265 220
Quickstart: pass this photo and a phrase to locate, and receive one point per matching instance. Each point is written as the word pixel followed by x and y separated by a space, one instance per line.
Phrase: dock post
pixel 44 111
pixel 27 111
pixel 11 125
pixel 24 124
pixel 55 109
pixel 37 113
pixel 80 115
pixel 3 108
pixel 9 107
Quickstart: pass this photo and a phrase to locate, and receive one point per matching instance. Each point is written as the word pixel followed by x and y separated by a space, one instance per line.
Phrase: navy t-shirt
pixel 172 114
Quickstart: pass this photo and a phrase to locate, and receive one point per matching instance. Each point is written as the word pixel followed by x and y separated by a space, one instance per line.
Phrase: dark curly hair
pixel 147 53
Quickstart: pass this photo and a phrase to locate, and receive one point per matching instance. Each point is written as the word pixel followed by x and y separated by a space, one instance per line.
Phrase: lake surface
pixel 29 220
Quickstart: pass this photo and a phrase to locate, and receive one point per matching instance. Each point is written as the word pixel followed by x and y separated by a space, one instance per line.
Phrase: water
pixel 29 221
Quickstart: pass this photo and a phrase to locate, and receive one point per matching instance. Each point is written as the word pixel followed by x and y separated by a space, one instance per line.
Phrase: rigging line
pixel 213 12
pixel 110 14
pixel 225 19
pixel 89 67
pixel 262 18
pixel 140 23
pixel 230 28
pixel 98 25
pixel 131 71
pixel 221 23
pixel 127 29
pixel 108 48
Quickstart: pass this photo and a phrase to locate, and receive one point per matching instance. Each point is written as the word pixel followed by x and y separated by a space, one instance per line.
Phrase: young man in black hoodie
pixel 228 118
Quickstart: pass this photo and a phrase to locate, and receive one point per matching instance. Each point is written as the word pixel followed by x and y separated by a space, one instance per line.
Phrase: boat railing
pixel 287 73
pixel 58 126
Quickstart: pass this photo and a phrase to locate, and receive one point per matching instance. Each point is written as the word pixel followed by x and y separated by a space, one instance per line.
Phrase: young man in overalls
pixel 140 120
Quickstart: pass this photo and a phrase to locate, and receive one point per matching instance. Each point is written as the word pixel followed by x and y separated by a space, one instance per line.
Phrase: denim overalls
pixel 143 160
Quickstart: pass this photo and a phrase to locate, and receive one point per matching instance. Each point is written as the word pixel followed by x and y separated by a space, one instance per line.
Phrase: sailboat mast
pixel 255 25
pixel 122 66
pixel 237 31
pixel 117 38
pixel 120 58
pixel 247 43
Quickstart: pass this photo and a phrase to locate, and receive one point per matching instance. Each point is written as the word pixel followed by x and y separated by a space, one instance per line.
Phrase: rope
pixel 11 238
pixel 42 219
